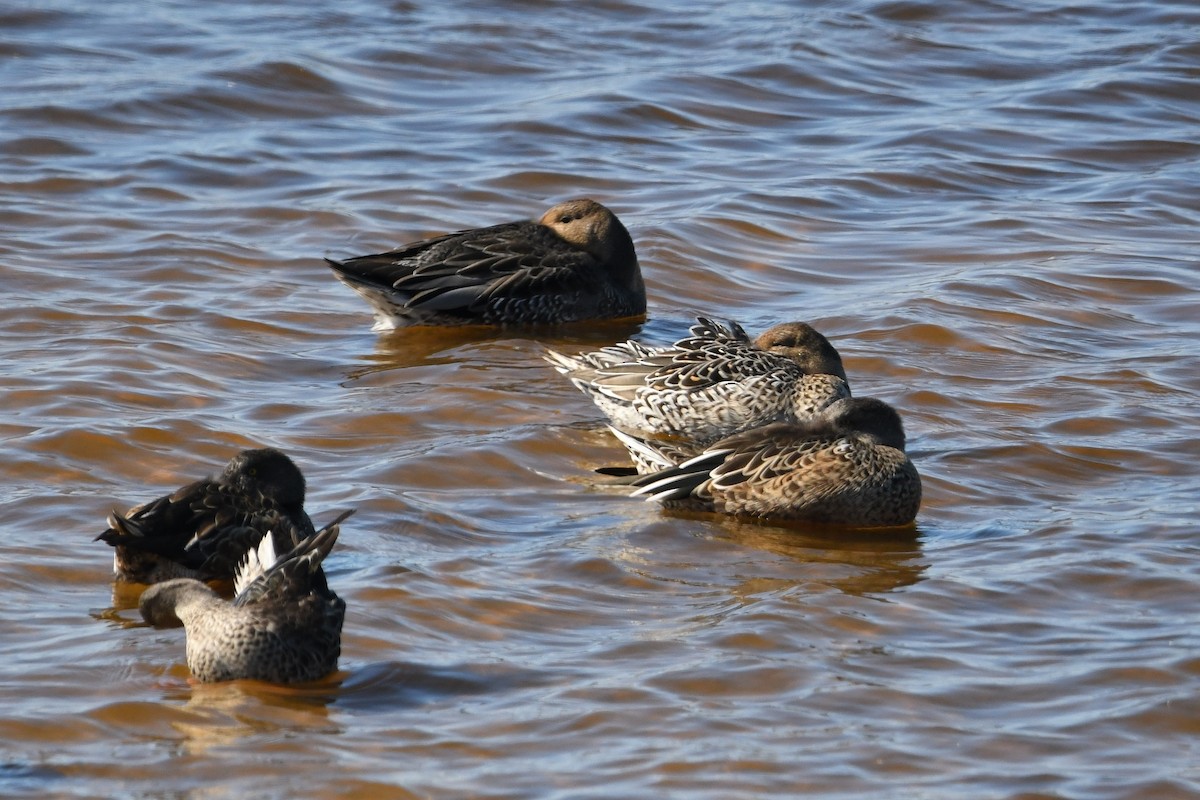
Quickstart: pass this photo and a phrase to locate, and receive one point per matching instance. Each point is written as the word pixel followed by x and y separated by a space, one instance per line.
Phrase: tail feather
pixel 263 572
pixel 563 363
pixel 676 486
pixel 120 527
pixel 681 482
pixel 641 451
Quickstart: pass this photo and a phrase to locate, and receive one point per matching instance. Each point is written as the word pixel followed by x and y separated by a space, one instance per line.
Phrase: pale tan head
pixel 801 343
pixel 591 227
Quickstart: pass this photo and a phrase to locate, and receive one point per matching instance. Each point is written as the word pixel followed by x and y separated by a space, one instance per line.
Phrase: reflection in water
pixel 878 561
pixel 125 596
pixel 412 347
pixel 221 714
pixel 212 716
pixel 859 561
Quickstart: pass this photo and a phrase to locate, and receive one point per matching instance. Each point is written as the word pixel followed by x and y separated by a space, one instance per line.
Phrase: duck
pixel 284 624
pixel 846 466
pixel 575 263
pixel 201 530
pixel 713 383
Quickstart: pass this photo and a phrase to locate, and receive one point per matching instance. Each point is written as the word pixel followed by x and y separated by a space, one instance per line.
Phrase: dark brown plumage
pixel 575 263
pixel 203 529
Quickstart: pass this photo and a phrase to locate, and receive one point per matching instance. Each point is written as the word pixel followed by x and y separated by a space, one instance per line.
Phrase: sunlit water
pixel 991 208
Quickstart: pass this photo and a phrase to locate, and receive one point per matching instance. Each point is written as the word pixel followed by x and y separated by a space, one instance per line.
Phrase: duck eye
pixel 565 218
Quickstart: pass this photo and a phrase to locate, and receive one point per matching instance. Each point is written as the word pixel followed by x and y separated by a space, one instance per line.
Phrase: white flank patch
pixel 256 562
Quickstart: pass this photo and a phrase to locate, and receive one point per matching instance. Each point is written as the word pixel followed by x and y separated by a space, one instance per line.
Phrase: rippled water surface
pixel 990 207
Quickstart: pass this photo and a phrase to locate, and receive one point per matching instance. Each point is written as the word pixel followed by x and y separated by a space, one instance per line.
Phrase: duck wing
pixel 205 526
pixel 471 272
pixel 265 577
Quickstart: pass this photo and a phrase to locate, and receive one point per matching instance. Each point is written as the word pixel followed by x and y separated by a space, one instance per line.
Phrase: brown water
pixel 990 207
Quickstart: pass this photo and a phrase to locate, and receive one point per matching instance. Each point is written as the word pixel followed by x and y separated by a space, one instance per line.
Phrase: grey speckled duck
pixel 284 624
pixel 203 529
pixel 576 263
pixel 847 466
pixel 709 385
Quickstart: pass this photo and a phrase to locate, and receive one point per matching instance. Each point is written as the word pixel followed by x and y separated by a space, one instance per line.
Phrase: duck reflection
pixel 856 561
pixel 217 715
pixel 211 716
pixel 415 347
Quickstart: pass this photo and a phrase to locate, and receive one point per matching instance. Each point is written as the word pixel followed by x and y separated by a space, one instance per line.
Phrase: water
pixel 989 207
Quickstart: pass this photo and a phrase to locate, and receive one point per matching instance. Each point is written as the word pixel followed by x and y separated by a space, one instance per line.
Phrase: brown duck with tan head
pixel 575 263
